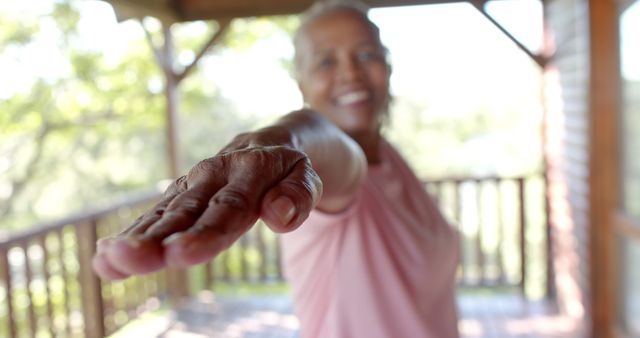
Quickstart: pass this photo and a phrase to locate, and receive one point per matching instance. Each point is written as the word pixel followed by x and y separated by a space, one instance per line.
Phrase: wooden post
pixel 47 277
pixel 172 97
pixel 5 271
pixel 604 106
pixel 177 279
pixel 262 248
pixel 523 235
pixel 65 277
pixel 479 250
pixel 500 231
pixel 546 165
pixel 92 305
pixel 33 325
pixel 178 283
pixel 457 211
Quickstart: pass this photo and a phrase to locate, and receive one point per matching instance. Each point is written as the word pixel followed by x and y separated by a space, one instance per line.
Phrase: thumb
pixel 286 205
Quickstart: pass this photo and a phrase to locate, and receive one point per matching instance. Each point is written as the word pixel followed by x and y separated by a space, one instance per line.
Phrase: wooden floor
pixel 502 315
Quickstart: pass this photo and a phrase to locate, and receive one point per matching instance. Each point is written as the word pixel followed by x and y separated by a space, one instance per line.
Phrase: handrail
pixel 61 250
pixel 482 264
pixel 487 178
pixel 52 261
pixel 11 238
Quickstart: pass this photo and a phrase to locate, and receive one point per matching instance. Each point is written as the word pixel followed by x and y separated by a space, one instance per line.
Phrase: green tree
pixel 95 130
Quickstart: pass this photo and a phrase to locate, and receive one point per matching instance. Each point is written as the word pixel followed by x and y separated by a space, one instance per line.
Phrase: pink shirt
pixel 384 268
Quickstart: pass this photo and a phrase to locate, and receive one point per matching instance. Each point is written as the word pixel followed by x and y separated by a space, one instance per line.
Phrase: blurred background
pixel 521 116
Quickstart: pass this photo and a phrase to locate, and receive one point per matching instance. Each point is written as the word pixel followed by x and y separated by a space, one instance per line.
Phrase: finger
pixel 141 224
pixel 176 187
pixel 230 213
pixel 182 212
pixel 288 204
pixel 140 253
pixel 126 254
pixel 104 269
pixel 134 256
pixel 100 262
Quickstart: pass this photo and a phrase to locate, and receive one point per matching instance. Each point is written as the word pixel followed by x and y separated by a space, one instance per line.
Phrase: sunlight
pixel 430 45
pixel 445 52
pixel 470 328
pixel 629 48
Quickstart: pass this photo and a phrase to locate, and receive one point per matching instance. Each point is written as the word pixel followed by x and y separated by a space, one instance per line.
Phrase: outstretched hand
pixel 205 211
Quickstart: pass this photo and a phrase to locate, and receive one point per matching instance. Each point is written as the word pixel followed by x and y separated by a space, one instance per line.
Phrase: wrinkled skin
pixel 205 211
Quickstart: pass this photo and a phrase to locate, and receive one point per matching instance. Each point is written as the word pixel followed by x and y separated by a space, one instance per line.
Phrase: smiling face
pixel 342 71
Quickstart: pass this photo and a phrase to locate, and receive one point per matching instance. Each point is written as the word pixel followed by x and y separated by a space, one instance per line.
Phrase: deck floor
pixel 493 315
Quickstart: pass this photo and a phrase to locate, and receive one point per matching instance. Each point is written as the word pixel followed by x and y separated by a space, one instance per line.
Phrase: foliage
pixel 90 127
pixel 68 139
pixel 446 145
pixel 93 129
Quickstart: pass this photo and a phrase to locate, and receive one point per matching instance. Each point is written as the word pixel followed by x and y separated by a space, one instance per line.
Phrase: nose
pixel 350 69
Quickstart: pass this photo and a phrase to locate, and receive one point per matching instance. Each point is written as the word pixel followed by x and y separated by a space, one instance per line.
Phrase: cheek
pixel 316 92
pixel 382 85
pixel 382 76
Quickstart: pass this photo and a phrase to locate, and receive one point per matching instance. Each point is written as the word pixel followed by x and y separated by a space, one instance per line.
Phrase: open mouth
pixel 352 98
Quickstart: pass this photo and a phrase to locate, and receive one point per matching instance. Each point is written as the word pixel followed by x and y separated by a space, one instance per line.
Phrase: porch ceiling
pixel 189 10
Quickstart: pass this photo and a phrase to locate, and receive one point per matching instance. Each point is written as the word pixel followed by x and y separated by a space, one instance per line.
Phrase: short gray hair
pixel 323 7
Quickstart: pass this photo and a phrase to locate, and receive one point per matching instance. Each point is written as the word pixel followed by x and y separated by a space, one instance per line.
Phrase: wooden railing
pixel 47 287
pixel 501 221
pixel 502 224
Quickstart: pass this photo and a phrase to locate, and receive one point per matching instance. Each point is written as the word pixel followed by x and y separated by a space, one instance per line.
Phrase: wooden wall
pixel 582 105
pixel 567 152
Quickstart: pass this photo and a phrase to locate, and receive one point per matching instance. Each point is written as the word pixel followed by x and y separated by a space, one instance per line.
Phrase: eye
pixel 370 55
pixel 325 63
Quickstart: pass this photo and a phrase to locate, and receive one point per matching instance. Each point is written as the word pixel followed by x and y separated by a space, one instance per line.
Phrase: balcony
pixel 48 289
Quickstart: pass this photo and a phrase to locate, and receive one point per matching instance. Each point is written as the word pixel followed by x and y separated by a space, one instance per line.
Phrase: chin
pixel 361 130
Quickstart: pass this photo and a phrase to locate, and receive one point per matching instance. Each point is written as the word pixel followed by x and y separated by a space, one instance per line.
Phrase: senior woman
pixel 366 251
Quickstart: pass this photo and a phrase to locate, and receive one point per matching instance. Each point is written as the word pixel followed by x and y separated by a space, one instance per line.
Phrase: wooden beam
pixel 215 38
pixel 189 10
pixel 171 11
pixel 156 51
pixel 539 59
pixel 138 9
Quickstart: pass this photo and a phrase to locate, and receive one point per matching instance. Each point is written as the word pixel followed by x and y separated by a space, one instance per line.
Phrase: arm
pixel 335 157
pixel 277 173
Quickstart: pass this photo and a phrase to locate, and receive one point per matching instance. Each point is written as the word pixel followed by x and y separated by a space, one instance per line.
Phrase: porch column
pixel 172 99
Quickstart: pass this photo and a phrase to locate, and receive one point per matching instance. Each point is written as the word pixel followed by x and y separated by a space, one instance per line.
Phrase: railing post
pixel 550 286
pixel 92 304
pixel 523 235
pixel 262 248
pixel 28 274
pixel 244 266
pixel 47 276
pixel 5 270
pixel 479 235
pixel 500 232
pixel 457 211
pixel 178 282
pixel 280 274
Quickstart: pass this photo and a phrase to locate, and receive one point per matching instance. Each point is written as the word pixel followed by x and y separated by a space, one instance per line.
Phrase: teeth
pixel 352 98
